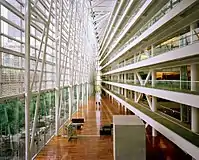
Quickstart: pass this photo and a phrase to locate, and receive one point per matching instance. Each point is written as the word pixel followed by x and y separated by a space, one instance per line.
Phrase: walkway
pixel 91 146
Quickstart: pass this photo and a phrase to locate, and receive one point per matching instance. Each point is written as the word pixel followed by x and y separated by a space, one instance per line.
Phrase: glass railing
pixel 129 20
pixel 169 45
pixel 167 108
pixel 173 85
pixel 171 124
pixel 117 21
pixel 177 42
pixel 170 5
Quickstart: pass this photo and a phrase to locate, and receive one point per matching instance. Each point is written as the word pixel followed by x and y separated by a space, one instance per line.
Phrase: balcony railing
pixel 164 120
pixel 129 20
pixel 165 9
pixel 172 85
pixel 169 45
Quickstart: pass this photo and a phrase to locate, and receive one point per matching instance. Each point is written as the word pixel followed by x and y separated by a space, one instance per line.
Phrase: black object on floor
pixel 77 120
pixel 106 129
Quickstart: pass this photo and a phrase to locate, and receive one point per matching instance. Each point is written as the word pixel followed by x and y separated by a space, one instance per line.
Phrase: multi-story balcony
pixel 168 50
pixel 176 132
pixel 156 26
pixel 131 8
pixel 171 90
pixel 118 11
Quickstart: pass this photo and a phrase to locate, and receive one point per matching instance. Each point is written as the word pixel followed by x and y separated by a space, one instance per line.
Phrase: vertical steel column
pixel 192 27
pixel 87 93
pixel 58 68
pixel 82 94
pixel 184 85
pixel 40 79
pixel 0 58
pixel 152 50
pixel 154 101
pixel 70 101
pixel 118 79
pixel 135 82
pixel 67 48
pixel 83 62
pixel 27 78
pixel 74 53
pixel 78 47
pixel 71 93
pixel 77 92
pixel 67 55
pixel 195 87
pixel 125 92
pixel 74 43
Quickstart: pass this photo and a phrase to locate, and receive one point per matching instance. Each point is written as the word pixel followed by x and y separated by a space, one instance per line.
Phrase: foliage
pixel 11 116
pixel 12 111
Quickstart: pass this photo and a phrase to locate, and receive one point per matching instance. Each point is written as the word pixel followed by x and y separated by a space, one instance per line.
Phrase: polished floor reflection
pixel 91 146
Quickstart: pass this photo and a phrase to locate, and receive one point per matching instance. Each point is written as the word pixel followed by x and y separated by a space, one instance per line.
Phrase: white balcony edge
pixel 108 23
pixel 184 52
pixel 140 12
pixel 118 24
pixel 170 15
pixel 172 136
pixel 114 18
pixel 179 97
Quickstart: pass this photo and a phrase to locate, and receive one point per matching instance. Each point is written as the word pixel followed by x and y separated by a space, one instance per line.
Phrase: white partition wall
pixel 129 139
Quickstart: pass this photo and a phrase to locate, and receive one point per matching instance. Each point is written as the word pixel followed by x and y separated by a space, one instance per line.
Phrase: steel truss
pixel 45 60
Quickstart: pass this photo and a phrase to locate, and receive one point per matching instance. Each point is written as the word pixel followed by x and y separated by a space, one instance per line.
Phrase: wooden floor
pixel 91 146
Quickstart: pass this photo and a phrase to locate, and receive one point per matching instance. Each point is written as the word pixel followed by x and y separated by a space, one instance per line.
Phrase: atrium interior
pixel 138 58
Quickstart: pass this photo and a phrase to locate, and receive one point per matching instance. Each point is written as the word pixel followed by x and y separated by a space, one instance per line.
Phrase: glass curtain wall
pixel 58 59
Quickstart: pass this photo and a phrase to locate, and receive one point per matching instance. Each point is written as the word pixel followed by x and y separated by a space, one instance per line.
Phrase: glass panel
pixel 12 136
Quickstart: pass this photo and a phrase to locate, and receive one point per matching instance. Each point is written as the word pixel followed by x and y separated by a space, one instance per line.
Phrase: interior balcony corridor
pixel 91 146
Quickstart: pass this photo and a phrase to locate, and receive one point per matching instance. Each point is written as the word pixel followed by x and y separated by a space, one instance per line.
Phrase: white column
pixel 27 78
pixel 154 109
pixel 77 92
pixel 82 94
pixel 152 50
pixel 154 101
pixel 195 87
pixel 192 27
pixel 70 102
pixel 118 79
pixel 135 93
pixel 87 93
pixel 153 75
pixel 125 95
pixel 183 85
pixel 118 88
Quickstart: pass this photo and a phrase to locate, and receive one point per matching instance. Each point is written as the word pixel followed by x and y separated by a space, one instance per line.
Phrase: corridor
pixel 91 146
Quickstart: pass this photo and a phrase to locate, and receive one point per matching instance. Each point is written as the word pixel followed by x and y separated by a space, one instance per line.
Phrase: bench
pixel 78 122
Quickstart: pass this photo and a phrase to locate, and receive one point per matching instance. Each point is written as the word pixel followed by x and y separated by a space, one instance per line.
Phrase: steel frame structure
pixel 133 72
pixel 50 50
